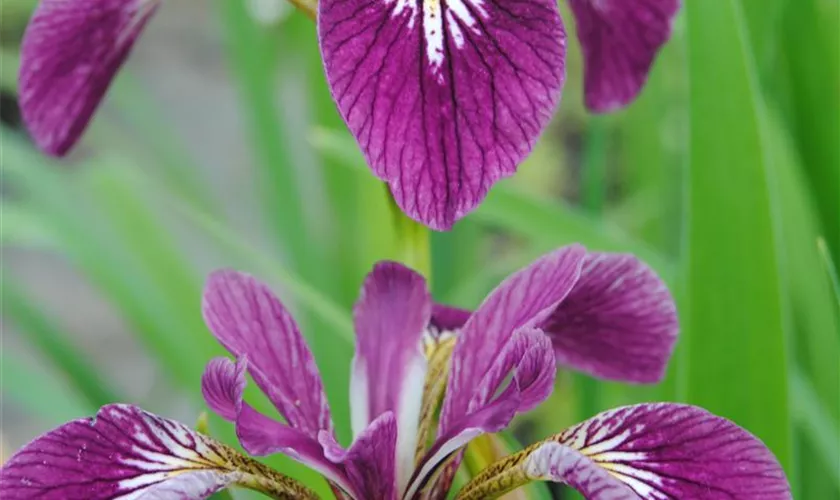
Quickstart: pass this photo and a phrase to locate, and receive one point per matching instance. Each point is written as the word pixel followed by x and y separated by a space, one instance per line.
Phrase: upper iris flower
pixel 601 312
pixel 445 97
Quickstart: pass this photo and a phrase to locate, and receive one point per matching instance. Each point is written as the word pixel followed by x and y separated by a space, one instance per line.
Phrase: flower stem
pixel 411 240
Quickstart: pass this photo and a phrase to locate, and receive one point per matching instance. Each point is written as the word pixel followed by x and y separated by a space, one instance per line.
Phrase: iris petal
pixel 125 452
pixel 524 298
pixel 223 385
pixel 445 97
pixel 69 54
pixel 620 39
pixel 618 322
pixel 249 320
pixel 651 451
pixel 389 367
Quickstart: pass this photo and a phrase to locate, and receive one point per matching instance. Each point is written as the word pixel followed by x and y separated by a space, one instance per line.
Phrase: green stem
pixel 411 245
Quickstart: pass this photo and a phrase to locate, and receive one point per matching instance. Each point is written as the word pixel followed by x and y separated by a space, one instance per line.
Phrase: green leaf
pixel 811 38
pixel 41 391
pixel 734 336
pixel 54 344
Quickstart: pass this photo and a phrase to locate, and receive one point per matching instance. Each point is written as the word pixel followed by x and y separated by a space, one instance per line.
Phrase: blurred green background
pixel 219 146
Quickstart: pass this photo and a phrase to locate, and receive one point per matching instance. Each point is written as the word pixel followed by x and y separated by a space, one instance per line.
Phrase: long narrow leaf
pixel 734 336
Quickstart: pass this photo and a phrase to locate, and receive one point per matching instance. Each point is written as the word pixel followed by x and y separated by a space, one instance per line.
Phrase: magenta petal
pixel 371 460
pixel 389 368
pixel 653 451
pixel 448 318
pixel 490 418
pixel 223 385
pixel 249 320
pixel 678 451
pixel 123 451
pixel 445 97
pixel 69 55
pixel 529 357
pixel 620 39
pixel 523 299
pixel 619 322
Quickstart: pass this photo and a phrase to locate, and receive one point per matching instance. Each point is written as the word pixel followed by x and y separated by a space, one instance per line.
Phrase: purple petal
pixel 619 322
pixel 389 368
pixel 371 460
pixel 223 386
pixel 249 320
pixel 659 450
pixel 445 97
pixel 523 299
pixel 447 318
pixel 490 418
pixel 126 452
pixel 620 39
pixel 69 55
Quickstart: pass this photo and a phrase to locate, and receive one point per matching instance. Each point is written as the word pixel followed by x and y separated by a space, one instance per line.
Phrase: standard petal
pixel 445 97
pixel 125 452
pixel 371 460
pixel 447 318
pixel 249 320
pixel 649 451
pixel 620 39
pixel 69 54
pixel 223 385
pixel 619 321
pixel 523 299
pixel 389 367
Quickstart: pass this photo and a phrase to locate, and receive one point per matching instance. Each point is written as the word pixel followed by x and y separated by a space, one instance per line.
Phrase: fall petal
pixel 70 52
pixel 649 451
pixel 445 97
pixel 249 320
pixel 620 39
pixel 619 322
pixel 125 452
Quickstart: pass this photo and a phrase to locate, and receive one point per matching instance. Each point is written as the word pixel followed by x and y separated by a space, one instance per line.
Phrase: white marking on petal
pixel 433 32
pixel 359 398
pixel 408 418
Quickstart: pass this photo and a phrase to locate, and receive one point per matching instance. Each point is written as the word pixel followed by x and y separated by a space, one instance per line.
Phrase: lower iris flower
pixel 605 314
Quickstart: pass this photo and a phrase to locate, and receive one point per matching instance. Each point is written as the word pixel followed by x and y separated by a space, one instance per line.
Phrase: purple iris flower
pixel 605 314
pixel 445 97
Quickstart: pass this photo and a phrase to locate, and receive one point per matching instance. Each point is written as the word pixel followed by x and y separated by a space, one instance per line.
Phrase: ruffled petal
pixel 371 460
pixel 620 39
pixel 389 367
pixel 619 321
pixel 125 452
pixel 648 451
pixel 69 54
pixel 523 299
pixel 445 97
pixel 247 318
pixel 223 385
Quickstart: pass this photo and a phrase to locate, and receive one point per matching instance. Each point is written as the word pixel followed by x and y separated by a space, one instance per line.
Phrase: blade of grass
pixel 734 337
pixel 811 38
pixel 54 344
pixel 818 427
pixel 40 391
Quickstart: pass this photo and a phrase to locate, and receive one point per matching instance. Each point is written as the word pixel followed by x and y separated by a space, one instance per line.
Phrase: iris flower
pixel 444 97
pixel 604 314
